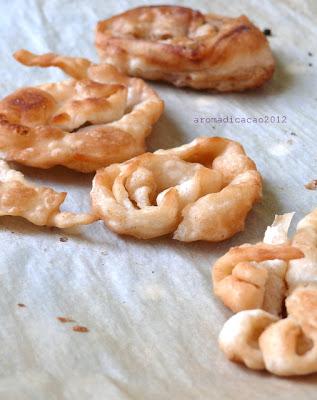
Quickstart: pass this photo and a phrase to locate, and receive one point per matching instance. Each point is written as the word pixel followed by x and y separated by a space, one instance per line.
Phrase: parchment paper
pixel 153 321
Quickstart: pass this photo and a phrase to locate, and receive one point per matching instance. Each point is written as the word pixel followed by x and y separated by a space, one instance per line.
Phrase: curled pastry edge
pixel 39 205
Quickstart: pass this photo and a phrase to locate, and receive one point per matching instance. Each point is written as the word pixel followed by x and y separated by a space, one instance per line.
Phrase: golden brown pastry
pixel 98 118
pixel 287 346
pixel 39 205
pixel 200 191
pixel 187 48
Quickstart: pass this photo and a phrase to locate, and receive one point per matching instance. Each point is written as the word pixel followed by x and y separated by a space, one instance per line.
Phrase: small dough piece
pixel 39 205
pixel 200 191
pixel 97 118
pixel 201 51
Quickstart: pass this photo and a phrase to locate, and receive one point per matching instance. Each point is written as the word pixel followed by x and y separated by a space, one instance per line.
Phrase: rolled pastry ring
pixel 200 191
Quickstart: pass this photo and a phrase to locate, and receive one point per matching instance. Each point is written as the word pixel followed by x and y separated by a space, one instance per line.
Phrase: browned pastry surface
pixel 187 48
pixel 99 117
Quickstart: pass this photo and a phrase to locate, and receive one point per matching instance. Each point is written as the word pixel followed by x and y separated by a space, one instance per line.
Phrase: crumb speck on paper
pixel 310 64
pixel 293 134
pixel 267 32
pixel 21 305
pixel 65 320
pixel 310 54
pixel 312 185
pixel 63 239
pixel 81 329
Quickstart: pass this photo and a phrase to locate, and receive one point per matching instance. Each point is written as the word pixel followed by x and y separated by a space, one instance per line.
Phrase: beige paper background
pixel 149 306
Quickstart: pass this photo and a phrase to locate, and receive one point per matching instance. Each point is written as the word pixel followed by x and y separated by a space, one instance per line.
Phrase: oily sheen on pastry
pixel 286 346
pixel 199 191
pixel 186 48
pixel 39 205
pixel 97 118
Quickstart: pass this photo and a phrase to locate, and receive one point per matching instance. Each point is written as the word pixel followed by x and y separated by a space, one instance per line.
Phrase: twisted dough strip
pixel 98 118
pixel 39 205
pixel 253 276
pixel 202 51
pixel 199 191
pixel 288 346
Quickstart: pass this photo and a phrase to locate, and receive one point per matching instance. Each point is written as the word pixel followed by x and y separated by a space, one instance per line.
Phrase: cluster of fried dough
pixel 260 339
pixel 202 51
pixel 101 117
pixel 98 117
pixel 199 191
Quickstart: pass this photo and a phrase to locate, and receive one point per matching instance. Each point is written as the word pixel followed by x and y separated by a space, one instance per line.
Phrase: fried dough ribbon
pixel 253 276
pixel 282 346
pixel 39 205
pixel 97 118
pixel 200 191
pixel 202 51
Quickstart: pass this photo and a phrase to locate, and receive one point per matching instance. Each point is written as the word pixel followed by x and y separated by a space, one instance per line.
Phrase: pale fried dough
pixel 239 337
pixel 40 205
pixel 199 191
pixel 186 48
pixel 288 346
pixel 98 118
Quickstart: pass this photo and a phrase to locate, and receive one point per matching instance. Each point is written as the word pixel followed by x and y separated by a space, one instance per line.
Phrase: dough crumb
pixel 65 320
pixel 312 185
pixel 81 329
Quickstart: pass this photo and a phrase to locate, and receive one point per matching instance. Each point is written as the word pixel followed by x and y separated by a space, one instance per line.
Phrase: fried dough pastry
pixel 240 334
pixel 187 48
pixel 95 119
pixel 39 205
pixel 286 346
pixel 200 191
pixel 253 276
